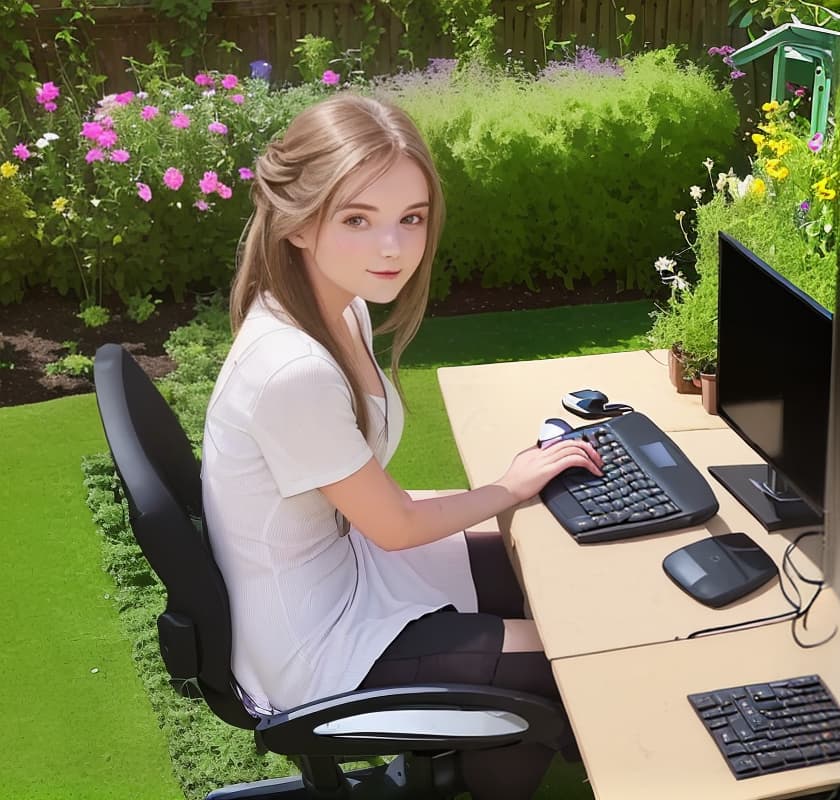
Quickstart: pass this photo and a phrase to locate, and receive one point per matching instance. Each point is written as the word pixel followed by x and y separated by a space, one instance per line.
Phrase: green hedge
pixel 569 175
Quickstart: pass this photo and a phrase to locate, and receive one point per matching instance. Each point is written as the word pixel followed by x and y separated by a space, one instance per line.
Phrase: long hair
pixel 298 180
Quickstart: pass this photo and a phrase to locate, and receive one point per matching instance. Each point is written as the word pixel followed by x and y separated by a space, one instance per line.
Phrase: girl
pixel 338 578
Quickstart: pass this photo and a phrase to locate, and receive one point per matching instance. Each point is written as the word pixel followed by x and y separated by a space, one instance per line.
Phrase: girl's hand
pixel 535 467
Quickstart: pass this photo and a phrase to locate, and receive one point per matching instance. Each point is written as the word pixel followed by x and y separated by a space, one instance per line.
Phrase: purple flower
pixel 261 70
pixel 585 59
pixel 815 143
pixel 46 94
pixel 230 82
pixel 107 138
pixel 94 154
pixel 180 120
pixel 800 92
pixel 173 178
pixel 21 151
pixel 736 73
pixel 209 183
pixel 120 156
pixel 144 192
pixel 201 205
pixel 805 206
pixel 91 130
pixel 224 192
pixel 149 112
pixel 246 174
pixel 217 127
pixel 203 79
pixel 124 98
pixel 237 98
pixel 330 78
pixel 729 62
pixel 714 51
pixel 50 106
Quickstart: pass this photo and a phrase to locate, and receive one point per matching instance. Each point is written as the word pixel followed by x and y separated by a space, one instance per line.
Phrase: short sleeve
pixel 304 425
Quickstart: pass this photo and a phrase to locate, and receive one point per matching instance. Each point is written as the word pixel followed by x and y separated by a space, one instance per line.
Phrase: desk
pixel 612 623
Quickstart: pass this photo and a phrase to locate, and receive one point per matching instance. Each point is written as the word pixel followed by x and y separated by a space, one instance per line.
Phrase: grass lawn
pixel 73 733
pixel 68 732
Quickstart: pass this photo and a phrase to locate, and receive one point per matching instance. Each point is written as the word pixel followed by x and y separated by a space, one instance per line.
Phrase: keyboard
pixel 770 727
pixel 648 485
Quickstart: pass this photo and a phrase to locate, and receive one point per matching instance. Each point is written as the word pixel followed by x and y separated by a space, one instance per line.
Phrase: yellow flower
pixel 758 140
pixel 770 128
pixel 8 170
pixel 775 169
pixel 770 107
pixel 823 192
pixel 757 187
pixel 59 204
pixel 779 146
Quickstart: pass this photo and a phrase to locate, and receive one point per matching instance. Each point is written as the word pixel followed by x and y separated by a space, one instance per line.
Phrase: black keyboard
pixel 648 485
pixel 770 727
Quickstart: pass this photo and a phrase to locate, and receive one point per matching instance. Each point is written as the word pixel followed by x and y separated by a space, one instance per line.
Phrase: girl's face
pixel 373 242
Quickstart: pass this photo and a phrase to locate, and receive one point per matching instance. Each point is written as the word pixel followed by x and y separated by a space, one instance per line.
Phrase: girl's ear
pixel 298 239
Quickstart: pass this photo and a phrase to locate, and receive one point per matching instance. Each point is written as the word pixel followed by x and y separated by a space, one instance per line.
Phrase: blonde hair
pixel 298 179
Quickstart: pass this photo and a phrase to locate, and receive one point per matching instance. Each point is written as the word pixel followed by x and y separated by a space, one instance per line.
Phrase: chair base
pixel 407 777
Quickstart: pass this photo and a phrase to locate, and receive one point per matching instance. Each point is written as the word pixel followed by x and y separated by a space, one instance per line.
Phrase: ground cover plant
pixel 205 752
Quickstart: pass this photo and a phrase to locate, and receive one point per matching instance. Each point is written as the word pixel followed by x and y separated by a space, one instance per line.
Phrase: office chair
pixel 424 726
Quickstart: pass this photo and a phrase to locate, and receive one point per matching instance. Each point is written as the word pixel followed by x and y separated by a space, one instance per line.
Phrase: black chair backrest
pixel 162 483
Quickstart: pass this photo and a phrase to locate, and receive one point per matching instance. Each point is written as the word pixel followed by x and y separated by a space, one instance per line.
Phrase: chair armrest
pixel 394 719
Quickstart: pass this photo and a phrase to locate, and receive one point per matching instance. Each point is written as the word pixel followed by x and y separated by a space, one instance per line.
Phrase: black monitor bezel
pixel 725 240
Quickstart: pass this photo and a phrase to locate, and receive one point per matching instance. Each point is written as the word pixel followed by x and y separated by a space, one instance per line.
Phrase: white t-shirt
pixel 311 610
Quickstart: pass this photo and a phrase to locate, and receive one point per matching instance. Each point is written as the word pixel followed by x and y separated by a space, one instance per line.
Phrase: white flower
pixel 708 164
pixel 186 107
pixel 827 227
pixel 696 192
pixel 679 215
pixel 50 137
pixel 41 143
pixel 142 95
pixel 744 186
pixel 721 181
pixel 208 92
pixel 680 282
pixel 664 264
pixel 95 201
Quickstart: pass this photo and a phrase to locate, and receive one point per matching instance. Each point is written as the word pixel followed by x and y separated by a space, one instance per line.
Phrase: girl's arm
pixel 387 515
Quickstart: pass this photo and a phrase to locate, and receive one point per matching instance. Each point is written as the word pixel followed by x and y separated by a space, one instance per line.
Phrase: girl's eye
pixel 412 219
pixel 355 221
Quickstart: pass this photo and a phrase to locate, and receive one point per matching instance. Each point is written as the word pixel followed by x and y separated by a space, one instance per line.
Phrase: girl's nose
pixel 389 244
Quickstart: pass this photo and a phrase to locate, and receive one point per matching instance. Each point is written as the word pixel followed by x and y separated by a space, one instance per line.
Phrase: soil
pixel 32 333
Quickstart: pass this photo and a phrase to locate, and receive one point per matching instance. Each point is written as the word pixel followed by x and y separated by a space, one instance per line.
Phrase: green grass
pixel 68 732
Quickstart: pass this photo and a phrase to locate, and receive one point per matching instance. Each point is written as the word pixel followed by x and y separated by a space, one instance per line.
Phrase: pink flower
pixel 224 192
pixel 92 130
pixel 800 92
pixel 209 183
pixel 245 174
pixel 107 138
pixel 105 121
pixel 237 98
pixel 123 98
pixel 120 156
pixel 50 106
pixel 144 192
pixel 203 79
pixel 94 154
pixel 47 93
pixel 330 78
pixel 230 82
pixel 149 112
pixel 21 151
pixel 180 120
pixel 815 143
pixel 217 127
pixel 173 178
pixel 201 205
pixel 736 73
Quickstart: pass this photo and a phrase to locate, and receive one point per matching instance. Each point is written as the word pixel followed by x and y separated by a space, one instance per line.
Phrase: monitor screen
pixel 774 369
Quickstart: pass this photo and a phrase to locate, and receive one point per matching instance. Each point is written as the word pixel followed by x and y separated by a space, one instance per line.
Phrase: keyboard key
pixel 769 760
pixel 743 764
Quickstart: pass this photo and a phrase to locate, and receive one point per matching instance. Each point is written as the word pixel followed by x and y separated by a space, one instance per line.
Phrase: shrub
pixel 570 175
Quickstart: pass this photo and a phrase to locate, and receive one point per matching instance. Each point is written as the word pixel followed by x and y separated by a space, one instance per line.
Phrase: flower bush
pixel 144 191
pixel 784 211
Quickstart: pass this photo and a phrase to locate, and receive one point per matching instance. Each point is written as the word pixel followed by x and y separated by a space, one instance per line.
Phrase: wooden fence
pixel 268 29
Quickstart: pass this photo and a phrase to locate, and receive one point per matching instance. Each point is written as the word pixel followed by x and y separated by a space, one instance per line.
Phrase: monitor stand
pixel 766 495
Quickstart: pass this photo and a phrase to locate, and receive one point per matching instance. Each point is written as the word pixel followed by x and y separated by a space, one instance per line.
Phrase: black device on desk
pixel 648 485
pixel 773 378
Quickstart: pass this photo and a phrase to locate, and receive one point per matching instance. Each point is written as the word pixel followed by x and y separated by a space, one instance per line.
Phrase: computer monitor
pixel 773 381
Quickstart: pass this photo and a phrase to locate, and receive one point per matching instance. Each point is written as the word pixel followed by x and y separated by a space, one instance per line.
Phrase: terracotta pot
pixel 678 375
pixel 708 384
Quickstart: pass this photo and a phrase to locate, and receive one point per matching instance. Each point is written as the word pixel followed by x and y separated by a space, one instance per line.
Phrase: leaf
pixel 116 240
pixel 631 17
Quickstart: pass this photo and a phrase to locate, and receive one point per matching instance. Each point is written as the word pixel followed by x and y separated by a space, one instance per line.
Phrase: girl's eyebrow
pixel 366 207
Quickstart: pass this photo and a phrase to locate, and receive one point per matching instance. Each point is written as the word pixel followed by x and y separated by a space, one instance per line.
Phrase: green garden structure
pixel 804 55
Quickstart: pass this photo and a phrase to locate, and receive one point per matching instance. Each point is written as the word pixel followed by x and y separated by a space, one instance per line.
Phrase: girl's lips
pixel 386 275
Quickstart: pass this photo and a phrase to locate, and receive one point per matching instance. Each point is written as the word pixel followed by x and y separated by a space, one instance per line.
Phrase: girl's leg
pixel 495 581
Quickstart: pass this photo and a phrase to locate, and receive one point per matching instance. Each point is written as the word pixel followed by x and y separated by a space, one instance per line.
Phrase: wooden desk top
pixel 641 740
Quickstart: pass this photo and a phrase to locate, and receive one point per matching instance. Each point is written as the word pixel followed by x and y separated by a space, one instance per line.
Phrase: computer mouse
pixel 592 404
pixel 552 431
